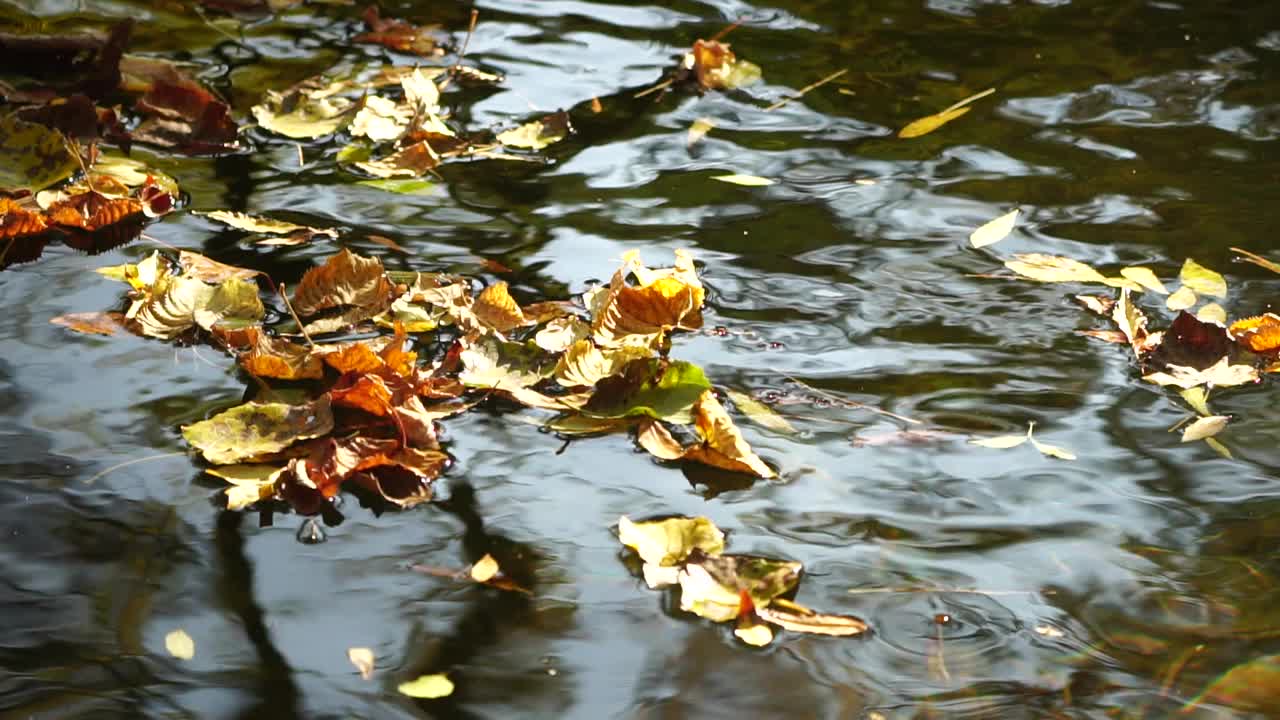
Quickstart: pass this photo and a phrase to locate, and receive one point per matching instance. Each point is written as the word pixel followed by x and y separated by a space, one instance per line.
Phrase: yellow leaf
pixel 1261 333
pixel 484 569
pixel 495 307
pixel 427 687
pixel 928 124
pixel 1131 322
pixel 1205 427
pixel 1000 442
pixel 1053 450
pixel 309 115
pixel 539 133
pixel 1184 298
pixel 1052 268
pixel 180 645
pixel 654 437
pixel 801 619
pixel 362 658
pixel 754 634
pixel 699 129
pixel 1218 447
pixel 1197 397
pixel 760 413
pixel 722 444
pixel 1213 312
pixel 1145 277
pixel 584 364
pixel 411 161
pixel 994 231
pixel 668 542
pixel 1221 374
pixel 1202 279
pixel 748 180
pixel 1122 282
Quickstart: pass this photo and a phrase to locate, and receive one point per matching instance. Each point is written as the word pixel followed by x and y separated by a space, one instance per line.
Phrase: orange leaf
pixel 495 307
pixel 1260 334
pixel 91 323
pixel 345 279
pixel 16 221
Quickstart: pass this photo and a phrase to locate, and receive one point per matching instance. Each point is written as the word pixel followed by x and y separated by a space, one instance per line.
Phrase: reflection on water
pixel 1000 584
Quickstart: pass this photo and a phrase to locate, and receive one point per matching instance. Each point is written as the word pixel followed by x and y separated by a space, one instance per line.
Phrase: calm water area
pixel 999 583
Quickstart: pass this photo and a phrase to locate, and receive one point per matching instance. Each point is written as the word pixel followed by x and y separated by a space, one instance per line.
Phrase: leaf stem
pixel 802 91
pixel 302 328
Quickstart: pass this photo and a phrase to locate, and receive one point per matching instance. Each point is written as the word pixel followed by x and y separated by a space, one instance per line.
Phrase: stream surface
pixel 1118 585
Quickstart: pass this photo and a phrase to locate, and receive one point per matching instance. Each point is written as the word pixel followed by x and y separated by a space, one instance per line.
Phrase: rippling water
pixel 1118 585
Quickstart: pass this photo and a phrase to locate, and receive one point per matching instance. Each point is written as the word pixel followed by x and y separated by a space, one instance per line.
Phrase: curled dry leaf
pixel 264 225
pixel 799 619
pixel 255 429
pixel 1145 277
pixel 1100 304
pixel 1053 268
pixel 561 333
pixel 715 67
pixel 664 300
pixel 1131 322
pixel 412 161
pixel 398 34
pixel 753 633
pixel 1259 334
pixel 362 658
pixel 668 542
pixel 346 279
pixel 198 266
pixel 994 231
pixel 17 221
pixel 584 364
pixel 654 437
pixel 275 357
pixel 722 444
pixel 1202 280
pixel 1205 427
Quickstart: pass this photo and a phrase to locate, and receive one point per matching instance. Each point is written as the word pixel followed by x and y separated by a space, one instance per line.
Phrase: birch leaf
pixel 747 180
pixel 1052 268
pixel 1184 298
pixel 1000 442
pixel 427 687
pixel 994 231
pixel 1213 312
pixel 1202 279
pixel 1205 427
pixel 1145 277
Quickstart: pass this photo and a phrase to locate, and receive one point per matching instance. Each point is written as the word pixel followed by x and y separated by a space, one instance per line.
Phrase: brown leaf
pixel 17 221
pixel 722 444
pixel 346 279
pixel 91 323
pixel 274 357
pixel 209 270
pixel 811 622
pixel 664 300
pixel 398 34
pixel 495 307
pixel 1259 334
pixel 1192 342
pixel 92 211
pixel 654 437
pixel 412 161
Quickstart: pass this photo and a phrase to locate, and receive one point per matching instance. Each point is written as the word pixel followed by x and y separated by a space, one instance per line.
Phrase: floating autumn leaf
pixel 1198 398
pixel 91 323
pixel 798 618
pixel 1212 313
pixel 250 482
pixel 1145 277
pixel 276 357
pixel 362 658
pixel 665 300
pixel 715 67
pixel 303 114
pixel 1259 334
pixel 179 644
pixel 484 569
pixel 746 180
pixel 427 687
pixel 698 130
pixel 584 364
pixel 666 390
pixel 204 268
pixel 668 542
pixel 560 334
pixel 928 124
pixel 538 134
pixel 994 231
pixel 1202 280
pixel 1184 298
pixel 1205 427
pixel 1220 374
pixel 722 444
pixel 1132 322
pixel 256 429
pixel 654 437
pixel 760 413
pixel 179 112
pixel 753 633
pixel 495 364
pixel 1251 686
pixel 356 284
pixel 411 161
pixel 380 119
pixel 495 308
pixel 17 221
pixel 1052 268
pixel 398 34
pixel 264 225
pixel 1004 442
pixel 92 211
pixel 1192 342
pixel 32 157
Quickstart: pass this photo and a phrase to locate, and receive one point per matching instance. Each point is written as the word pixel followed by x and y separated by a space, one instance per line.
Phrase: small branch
pixel 453 70
pixel 660 86
pixel 135 461
pixel 802 91
pixel 302 328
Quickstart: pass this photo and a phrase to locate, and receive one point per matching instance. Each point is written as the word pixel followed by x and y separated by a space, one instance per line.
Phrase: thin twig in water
pixel 965 591
pixel 1176 668
pixel 853 403
pixel 453 70
pixel 135 461
pixel 802 91
pixel 302 328
pixel 660 86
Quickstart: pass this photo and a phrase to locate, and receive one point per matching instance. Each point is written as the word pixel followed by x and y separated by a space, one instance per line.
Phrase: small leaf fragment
pixel 91 323
pixel 747 180
pixel 484 569
pixel 362 658
pixel 668 542
pixel 698 130
pixel 264 225
pixel 1218 447
pixel 1000 442
pixel 1257 260
pixel 538 134
pixel 180 645
pixel 760 413
pixel 994 231
pixel 1144 277
pixel 1184 298
pixel 1205 427
pixel 928 124
pixel 427 687
pixel 1213 312
pixel 1197 397
pixel 754 634
pixel 1202 279
pixel 1052 450
pixel 654 437
pixel 813 623
pixel 1220 374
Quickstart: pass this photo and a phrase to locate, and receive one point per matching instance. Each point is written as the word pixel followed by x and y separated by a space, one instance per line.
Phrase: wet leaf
pixel 362 658
pixel 495 308
pixel 1192 342
pixel 1198 398
pixel 1052 450
pixel 427 687
pixel 233 302
pixel 484 569
pixel 654 437
pixel 380 119
pixel 346 279
pixel 198 266
pixel 180 645
pixel 250 483
pixel 928 124
pixel 762 579
pixel 1218 447
pixel 994 231
pixel 1252 686
pixel 704 596
pixel 398 34
pixel 1000 442
pixel 411 162
pixel 698 130
pixel 716 67
pixel 1202 280
pixel 1146 278
pixel 264 225
pixel 804 620
pixel 275 357
pixel 32 157
pixel 1184 298
pixel 307 115
pixel 538 134
pixel 560 334
pixel 658 389
pixel 760 413
pixel 403 186
pixel 747 180
pixel 256 429
pixel 91 323
pixel 754 634
pixel 1132 323
pixel 1212 313
pixel 584 364
pixel 1220 374
pixel 1259 334
pixel 665 300
pixel 1052 268
pixel 17 221
pixel 668 542
pixel 1205 427
pixel 722 444
pixel 494 364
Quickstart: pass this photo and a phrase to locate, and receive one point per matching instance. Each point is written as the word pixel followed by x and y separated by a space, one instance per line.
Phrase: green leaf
pixel 1202 279
pixel 538 134
pixel 668 542
pixel 1197 397
pixel 255 429
pixel 32 156
pixel 427 687
pixel 653 387
pixel 403 186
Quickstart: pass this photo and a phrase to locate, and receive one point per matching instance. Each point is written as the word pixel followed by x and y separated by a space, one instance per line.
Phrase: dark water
pixel 1117 586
